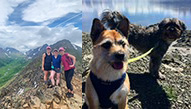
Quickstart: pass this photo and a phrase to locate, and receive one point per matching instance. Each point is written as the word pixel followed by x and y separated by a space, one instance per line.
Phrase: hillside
pixel 11 68
pixel 27 89
pixel 9 54
pixel 11 62
pixel 147 93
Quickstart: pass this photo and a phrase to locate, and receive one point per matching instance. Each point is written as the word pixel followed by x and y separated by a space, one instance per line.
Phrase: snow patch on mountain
pixel 75 46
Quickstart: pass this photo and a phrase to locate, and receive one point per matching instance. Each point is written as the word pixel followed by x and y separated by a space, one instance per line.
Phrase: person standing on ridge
pixel 68 62
pixel 56 68
pixel 46 63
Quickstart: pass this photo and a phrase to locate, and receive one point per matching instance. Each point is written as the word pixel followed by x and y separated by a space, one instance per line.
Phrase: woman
pixel 56 68
pixel 46 63
pixel 68 62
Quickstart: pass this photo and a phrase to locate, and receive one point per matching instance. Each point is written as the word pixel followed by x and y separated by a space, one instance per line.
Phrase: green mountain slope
pixel 10 68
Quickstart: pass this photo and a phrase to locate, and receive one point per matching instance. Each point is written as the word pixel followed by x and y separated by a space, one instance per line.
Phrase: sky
pixel 141 12
pixel 27 24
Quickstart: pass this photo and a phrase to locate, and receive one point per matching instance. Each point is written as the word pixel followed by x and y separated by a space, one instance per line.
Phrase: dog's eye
pixel 122 43
pixel 107 45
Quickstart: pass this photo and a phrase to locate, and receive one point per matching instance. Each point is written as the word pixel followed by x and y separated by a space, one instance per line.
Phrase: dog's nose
pixel 120 56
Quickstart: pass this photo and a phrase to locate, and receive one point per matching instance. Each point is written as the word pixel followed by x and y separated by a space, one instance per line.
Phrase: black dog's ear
pixel 163 23
pixel 96 30
pixel 182 25
pixel 123 26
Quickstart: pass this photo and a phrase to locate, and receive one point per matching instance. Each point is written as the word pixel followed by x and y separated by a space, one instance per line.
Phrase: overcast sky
pixel 27 24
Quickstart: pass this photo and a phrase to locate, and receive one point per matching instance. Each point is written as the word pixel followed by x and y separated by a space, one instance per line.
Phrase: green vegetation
pixel 171 94
pixel 27 89
pixel 4 62
pixel 10 68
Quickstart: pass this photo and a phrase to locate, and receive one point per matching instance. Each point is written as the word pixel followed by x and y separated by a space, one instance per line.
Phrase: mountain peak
pixel 11 50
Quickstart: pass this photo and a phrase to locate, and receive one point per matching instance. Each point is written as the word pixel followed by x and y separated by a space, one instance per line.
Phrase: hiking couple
pixel 52 63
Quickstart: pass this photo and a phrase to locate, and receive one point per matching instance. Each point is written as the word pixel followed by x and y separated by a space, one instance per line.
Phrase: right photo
pixel 136 54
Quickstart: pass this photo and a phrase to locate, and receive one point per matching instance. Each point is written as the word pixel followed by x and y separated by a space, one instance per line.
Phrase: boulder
pixel 35 102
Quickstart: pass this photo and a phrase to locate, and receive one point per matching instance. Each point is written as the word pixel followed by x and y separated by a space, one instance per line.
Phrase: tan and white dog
pixel 107 85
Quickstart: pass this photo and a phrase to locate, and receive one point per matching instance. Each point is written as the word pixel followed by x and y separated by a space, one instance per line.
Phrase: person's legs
pixel 66 73
pixel 52 77
pixel 66 77
pixel 45 75
pixel 70 76
pixel 58 78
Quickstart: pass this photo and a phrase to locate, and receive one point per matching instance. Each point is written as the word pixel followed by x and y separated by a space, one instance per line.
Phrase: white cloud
pixel 47 10
pixel 6 8
pixel 30 37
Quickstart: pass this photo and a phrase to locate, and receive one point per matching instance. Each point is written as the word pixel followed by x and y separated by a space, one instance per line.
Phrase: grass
pixel 9 70
pixel 171 94
pixel 5 61
pixel 27 89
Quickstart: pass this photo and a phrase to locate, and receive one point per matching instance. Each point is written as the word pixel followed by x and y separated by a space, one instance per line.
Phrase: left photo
pixel 41 54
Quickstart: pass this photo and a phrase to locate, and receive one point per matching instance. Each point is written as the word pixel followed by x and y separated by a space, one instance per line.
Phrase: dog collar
pixel 105 89
pixel 94 77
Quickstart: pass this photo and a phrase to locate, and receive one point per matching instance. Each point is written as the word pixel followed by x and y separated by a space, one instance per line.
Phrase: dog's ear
pixel 96 30
pixel 123 26
pixel 163 23
pixel 182 25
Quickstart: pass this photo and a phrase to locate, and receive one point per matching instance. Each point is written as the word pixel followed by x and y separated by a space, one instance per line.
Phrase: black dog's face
pixel 171 29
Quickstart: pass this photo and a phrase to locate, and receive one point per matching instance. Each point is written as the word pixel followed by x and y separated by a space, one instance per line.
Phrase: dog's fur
pixel 109 48
pixel 160 35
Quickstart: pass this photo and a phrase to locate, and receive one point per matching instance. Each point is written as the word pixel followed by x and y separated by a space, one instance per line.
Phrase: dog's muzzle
pixel 120 56
pixel 118 60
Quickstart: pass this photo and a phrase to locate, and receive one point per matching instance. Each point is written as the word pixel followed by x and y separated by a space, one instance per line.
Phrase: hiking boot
pixel 68 95
pixel 51 86
pixel 71 95
pixel 49 82
pixel 45 82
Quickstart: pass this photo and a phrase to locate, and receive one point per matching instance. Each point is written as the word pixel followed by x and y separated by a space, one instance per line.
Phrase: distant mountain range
pixel 10 53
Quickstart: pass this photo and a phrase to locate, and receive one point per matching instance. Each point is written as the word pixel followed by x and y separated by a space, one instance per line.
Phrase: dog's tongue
pixel 118 65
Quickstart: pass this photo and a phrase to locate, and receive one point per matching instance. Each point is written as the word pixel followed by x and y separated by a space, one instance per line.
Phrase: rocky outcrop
pixel 52 98
pixel 38 96
pixel 185 40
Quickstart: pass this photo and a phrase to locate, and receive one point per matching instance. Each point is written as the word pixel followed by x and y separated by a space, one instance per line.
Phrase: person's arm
pixel 73 58
pixel 43 57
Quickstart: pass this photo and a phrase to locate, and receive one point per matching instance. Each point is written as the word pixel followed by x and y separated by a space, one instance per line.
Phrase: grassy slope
pixel 10 69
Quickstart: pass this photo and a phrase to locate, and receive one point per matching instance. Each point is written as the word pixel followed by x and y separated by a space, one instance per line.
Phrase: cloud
pixel 7 8
pixel 43 13
pixel 30 37
pixel 48 10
